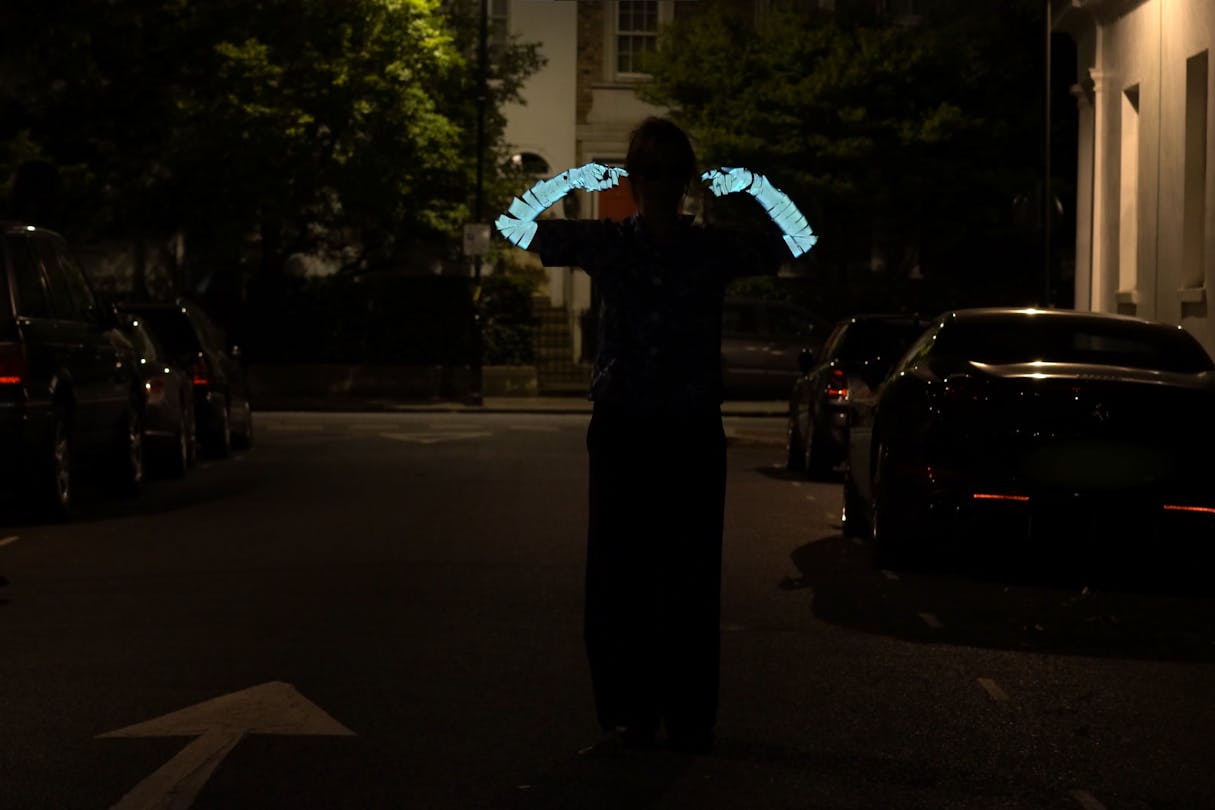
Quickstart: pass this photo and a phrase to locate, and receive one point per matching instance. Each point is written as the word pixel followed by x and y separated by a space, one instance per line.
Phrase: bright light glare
pixel 1172 507
pixel 994 496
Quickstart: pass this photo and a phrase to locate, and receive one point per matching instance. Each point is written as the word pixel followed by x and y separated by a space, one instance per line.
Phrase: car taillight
pixel 837 385
pixel 202 375
pixel 155 389
pixel 12 364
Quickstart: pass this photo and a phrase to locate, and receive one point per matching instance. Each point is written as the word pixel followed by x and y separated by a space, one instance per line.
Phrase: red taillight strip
pixel 1173 507
pixel 12 364
pixel 996 496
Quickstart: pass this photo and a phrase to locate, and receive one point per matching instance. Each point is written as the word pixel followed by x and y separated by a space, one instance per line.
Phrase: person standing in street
pixel 656 445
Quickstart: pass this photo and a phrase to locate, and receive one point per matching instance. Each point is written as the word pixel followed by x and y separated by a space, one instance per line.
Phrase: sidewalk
pixel 543 405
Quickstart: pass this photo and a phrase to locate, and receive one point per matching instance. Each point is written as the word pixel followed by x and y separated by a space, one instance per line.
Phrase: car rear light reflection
pixel 1174 507
pixel 201 375
pixel 999 496
pixel 12 364
pixel 837 386
pixel 155 389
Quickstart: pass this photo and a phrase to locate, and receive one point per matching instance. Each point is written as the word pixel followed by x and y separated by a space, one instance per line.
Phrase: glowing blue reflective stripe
pixel 797 233
pixel 520 228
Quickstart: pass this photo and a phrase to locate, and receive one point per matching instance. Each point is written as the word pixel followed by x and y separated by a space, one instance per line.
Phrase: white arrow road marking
pixel 993 690
pixel 931 620
pixel 435 438
pixel 1087 800
pixel 8 540
pixel 219 724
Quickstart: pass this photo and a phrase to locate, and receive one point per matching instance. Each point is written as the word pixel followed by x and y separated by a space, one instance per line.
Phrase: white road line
pixel 890 575
pixel 8 540
pixel 297 428
pixel 856 541
pixel 811 498
pixel 796 483
pixel 535 428
pixel 993 689
pixel 1087 800
pixel 931 620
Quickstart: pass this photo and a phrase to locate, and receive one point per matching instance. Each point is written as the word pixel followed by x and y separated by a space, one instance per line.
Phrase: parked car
pixel 169 400
pixel 222 411
pixel 69 395
pixel 760 344
pixel 1018 424
pixel 859 350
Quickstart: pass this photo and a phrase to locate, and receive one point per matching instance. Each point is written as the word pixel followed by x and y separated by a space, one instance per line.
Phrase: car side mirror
pixel 805 360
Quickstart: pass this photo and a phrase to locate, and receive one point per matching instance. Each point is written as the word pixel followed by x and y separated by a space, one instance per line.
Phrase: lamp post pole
pixel 476 397
pixel 1048 200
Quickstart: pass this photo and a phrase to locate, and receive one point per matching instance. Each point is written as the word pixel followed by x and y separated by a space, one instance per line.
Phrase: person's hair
pixel 659 148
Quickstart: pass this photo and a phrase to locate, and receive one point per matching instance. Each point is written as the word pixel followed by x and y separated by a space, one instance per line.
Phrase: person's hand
pixel 518 232
pixel 728 180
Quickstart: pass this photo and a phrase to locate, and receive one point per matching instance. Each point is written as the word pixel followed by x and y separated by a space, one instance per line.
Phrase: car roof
pixel 13 226
pixel 888 317
pixel 1078 317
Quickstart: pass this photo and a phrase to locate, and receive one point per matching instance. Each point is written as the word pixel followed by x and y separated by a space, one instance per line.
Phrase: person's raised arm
pixel 518 225
pixel 797 234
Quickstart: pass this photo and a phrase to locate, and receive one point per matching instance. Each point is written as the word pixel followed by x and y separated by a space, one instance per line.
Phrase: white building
pixel 1145 219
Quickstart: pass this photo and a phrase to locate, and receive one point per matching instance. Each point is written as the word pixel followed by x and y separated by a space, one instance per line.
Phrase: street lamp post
pixel 476 396
pixel 1048 202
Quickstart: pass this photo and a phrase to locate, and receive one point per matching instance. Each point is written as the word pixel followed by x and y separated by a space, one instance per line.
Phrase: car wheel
pixel 129 467
pixel 49 491
pixel 795 452
pixel 855 519
pixel 179 453
pixel 244 439
pixel 223 434
pixel 816 464
pixel 889 531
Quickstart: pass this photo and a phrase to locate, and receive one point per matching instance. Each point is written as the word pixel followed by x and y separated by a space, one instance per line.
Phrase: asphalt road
pixel 384 610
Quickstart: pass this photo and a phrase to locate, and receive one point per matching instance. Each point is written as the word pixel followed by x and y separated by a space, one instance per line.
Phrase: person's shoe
pixel 617 741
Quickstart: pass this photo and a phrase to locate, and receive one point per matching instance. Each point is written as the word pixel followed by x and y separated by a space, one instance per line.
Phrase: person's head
pixel 661 166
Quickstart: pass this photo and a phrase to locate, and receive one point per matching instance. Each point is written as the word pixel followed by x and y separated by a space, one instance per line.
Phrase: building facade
pixel 1145 219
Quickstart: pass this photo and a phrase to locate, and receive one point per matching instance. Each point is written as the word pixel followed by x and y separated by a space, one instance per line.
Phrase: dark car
pixel 69 396
pixel 760 344
pixel 222 410
pixel 169 401
pixel 1000 428
pixel 859 351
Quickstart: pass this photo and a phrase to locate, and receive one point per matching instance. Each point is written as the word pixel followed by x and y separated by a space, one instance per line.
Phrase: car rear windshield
pixel 1030 339
pixel 866 340
pixel 172 328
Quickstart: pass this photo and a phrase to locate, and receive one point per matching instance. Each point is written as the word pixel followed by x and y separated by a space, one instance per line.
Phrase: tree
pixel 904 140
pixel 286 124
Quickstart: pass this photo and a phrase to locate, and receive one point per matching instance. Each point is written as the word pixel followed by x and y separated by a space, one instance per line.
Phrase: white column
pixel 1107 158
pixel 1084 198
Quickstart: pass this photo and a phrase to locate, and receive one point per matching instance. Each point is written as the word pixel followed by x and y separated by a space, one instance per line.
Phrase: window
pixel 636 33
pixel 499 27
pixel 70 293
pixel 1128 205
pixel 1194 217
pixel 31 288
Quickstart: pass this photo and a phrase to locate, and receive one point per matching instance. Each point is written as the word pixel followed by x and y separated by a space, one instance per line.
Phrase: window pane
pixel 31 294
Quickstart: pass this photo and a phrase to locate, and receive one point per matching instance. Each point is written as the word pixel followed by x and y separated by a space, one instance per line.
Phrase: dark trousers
pixel 653 575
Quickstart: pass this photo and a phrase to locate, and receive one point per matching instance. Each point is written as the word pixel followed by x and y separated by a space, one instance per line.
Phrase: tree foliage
pixel 287 124
pixel 909 139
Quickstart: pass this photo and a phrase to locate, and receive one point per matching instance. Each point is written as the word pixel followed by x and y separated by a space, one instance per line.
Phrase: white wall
pixel 545 122
pixel 1122 44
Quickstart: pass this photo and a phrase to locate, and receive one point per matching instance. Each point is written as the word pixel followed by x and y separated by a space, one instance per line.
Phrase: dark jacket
pixel 661 301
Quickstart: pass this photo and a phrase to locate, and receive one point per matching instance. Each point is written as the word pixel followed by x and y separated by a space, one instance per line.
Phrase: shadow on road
pixel 783 473
pixel 1109 620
